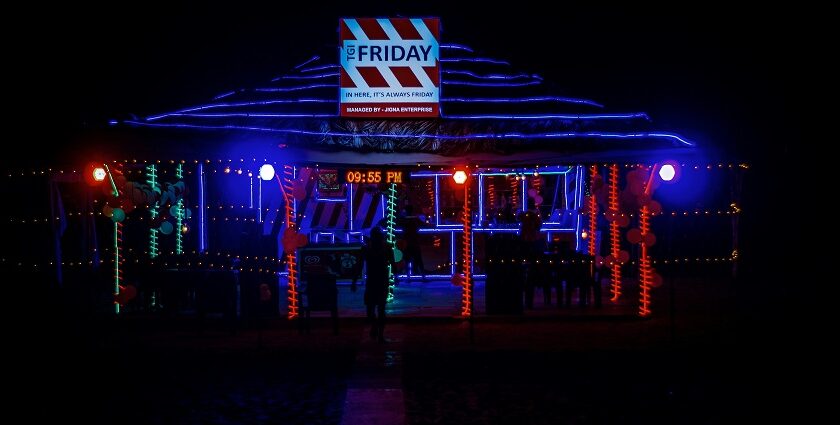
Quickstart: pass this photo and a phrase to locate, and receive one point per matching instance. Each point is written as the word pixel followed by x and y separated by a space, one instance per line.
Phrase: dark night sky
pixel 711 74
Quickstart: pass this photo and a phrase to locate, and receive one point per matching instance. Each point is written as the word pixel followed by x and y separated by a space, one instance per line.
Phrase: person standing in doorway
pixel 532 247
pixel 410 224
pixel 377 255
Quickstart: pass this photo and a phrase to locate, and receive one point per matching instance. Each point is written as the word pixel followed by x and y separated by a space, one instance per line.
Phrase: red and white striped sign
pixel 390 67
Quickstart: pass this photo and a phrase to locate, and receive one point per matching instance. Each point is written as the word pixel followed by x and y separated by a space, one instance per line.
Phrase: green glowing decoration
pixel 179 217
pixel 391 207
pixel 151 180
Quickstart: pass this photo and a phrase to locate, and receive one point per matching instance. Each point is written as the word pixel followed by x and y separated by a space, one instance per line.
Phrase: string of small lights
pixel 734 209
pixel 227 166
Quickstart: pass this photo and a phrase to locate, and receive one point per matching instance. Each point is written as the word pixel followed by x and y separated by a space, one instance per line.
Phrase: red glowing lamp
pixel 460 176
pixel 99 174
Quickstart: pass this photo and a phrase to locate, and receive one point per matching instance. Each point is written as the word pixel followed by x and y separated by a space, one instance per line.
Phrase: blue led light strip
pixel 308 77
pixel 239 104
pixel 559 99
pixel 669 136
pixel 202 225
pixel 631 115
pixel 311 100
pixel 284 89
pixel 224 95
pixel 308 61
pixel 480 199
pixel 247 115
pixel 476 84
pixel 485 60
pixel 456 47
pixel 492 76
pixel 319 68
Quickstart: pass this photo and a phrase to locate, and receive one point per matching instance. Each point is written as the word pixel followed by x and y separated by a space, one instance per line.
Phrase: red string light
pixel 645 269
pixel 287 186
pixel 466 294
pixel 615 234
pixel 593 210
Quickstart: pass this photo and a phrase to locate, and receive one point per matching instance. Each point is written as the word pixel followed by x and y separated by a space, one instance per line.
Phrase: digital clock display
pixel 373 176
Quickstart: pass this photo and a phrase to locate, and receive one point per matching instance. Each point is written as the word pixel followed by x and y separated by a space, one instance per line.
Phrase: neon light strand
pixel 308 61
pixel 490 76
pixel 308 76
pixel 179 222
pixel 514 194
pixel 645 269
pixel 389 235
pixel 249 115
pixel 522 100
pixel 224 95
pixel 284 89
pixel 319 68
pixel 568 135
pixel 291 257
pixel 630 115
pixel 593 211
pixel 491 195
pixel 453 46
pixel 202 223
pixel 477 84
pixel 118 260
pixel 179 216
pixel 615 234
pixel 151 180
pixel 467 293
pixel 485 60
pixel 238 104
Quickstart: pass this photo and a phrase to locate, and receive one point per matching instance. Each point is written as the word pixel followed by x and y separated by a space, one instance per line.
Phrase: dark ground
pixel 539 369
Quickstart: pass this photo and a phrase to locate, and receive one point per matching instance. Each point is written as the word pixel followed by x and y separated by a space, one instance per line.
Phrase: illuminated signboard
pixel 374 176
pixel 389 67
pixel 328 186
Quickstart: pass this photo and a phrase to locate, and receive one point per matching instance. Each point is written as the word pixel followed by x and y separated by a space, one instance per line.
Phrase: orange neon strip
pixel 287 186
pixel 466 294
pixel 645 269
pixel 593 210
pixel 615 234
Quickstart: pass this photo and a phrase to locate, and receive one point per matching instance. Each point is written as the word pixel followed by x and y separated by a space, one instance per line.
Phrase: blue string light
pixel 471 83
pixel 483 60
pixel 491 76
pixel 568 135
pixel 456 47
pixel 284 89
pixel 635 115
pixel 632 115
pixel 224 95
pixel 319 68
pixel 246 115
pixel 308 61
pixel 523 100
pixel 312 100
pixel 236 105
pixel 304 77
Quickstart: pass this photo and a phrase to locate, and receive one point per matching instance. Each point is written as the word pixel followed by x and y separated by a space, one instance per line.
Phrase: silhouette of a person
pixel 377 255
pixel 410 224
